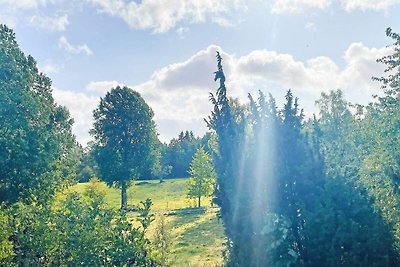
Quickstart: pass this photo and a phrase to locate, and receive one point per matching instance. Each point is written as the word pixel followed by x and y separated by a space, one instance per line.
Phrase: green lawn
pixel 197 237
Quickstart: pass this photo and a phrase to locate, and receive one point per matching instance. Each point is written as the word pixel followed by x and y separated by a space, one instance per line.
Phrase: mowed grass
pixel 197 236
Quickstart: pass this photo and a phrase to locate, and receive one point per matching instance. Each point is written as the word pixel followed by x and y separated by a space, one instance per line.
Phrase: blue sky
pixel 166 51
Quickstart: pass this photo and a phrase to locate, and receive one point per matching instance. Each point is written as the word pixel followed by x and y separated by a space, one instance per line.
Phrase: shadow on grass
pixel 204 233
pixel 186 216
pixel 198 237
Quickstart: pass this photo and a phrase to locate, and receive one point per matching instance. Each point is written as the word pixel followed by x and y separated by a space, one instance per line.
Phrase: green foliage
pixel 229 122
pixel 391 83
pixel 202 176
pixel 145 217
pixel 160 170
pixel 6 246
pixel 379 140
pixel 87 167
pixel 81 232
pixel 125 138
pixel 276 230
pixel 179 152
pixel 195 236
pixel 37 149
pixel 294 193
pixel 162 242
pixel 359 234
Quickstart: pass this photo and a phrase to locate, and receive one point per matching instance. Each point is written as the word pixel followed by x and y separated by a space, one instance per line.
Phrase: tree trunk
pixel 199 201
pixel 124 196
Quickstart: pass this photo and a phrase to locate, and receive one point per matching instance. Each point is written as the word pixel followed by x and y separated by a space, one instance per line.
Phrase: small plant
pixel 145 217
pixel 162 242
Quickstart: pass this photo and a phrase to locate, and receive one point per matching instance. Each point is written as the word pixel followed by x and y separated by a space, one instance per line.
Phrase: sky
pixel 165 49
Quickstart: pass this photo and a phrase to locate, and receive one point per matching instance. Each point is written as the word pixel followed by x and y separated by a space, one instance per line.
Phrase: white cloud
pixel 102 86
pixel 316 74
pixel 24 4
pixel 81 107
pixel 377 5
pixel 78 49
pixel 12 11
pixel 193 74
pixel 50 67
pixel 52 24
pixel 160 15
pixel 361 65
pixel 298 6
pixel 178 93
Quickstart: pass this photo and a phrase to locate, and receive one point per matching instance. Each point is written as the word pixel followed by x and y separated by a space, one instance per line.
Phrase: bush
pixel 5 233
pixel 81 232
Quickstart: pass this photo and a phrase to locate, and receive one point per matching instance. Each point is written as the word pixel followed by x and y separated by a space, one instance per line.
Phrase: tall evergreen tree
pixel 229 125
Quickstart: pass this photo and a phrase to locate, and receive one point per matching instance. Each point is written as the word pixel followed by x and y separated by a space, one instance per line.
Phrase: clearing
pixel 196 234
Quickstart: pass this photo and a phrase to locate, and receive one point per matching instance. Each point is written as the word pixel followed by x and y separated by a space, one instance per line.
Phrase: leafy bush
pixel 81 232
pixel 5 233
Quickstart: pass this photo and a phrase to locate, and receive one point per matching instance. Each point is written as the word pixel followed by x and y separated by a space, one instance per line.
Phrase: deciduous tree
pixel 202 176
pixel 125 137
pixel 37 148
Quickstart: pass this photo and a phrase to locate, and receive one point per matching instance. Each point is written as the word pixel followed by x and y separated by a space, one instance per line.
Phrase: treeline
pixel 172 161
pixel 180 151
pixel 320 191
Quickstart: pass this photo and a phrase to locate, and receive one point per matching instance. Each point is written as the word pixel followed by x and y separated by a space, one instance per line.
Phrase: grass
pixel 196 235
pixel 198 238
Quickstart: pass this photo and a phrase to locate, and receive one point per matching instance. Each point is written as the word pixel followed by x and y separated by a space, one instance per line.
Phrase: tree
pixel 391 83
pixel 202 176
pixel 290 192
pixel 37 148
pixel 179 153
pixel 380 140
pixel 160 170
pixel 87 167
pixel 354 217
pixel 125 138
pixel 229 128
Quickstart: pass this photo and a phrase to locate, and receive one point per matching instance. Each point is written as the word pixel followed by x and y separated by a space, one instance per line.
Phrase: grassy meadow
pixel 196 234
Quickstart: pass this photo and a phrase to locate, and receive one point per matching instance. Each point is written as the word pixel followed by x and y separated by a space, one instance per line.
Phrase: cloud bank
pixel 161 16
pixel 178 93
